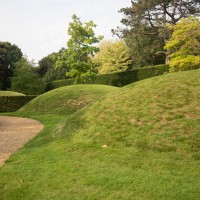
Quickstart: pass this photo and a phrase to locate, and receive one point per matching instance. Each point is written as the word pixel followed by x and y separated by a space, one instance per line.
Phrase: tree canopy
pixel 150 19
pixel 114 56
pixel 25 80
pixel 9 55
pixel 156 13
pixel 184 45
pixel 44 65
pixel 47 67
pixel 80 48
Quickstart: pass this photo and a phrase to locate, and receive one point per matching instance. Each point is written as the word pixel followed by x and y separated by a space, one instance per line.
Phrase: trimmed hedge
pixel 121 79
pixel 118 79
pixel 13 103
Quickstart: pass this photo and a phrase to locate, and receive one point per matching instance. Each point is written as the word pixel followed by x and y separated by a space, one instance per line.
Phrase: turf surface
pixel 10 93
pixel 66 100
pixel 138 142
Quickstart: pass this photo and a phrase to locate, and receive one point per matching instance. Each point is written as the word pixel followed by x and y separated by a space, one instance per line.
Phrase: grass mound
pixel 142 142
pixel 160 114
pixel 66 100
pixel 10 93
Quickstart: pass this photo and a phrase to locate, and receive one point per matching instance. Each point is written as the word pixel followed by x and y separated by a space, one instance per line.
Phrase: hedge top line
pixel 118 79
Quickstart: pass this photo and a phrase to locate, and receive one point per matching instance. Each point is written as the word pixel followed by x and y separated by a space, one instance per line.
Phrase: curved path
pixel 14 133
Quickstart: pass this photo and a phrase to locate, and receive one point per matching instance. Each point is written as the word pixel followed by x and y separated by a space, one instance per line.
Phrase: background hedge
pixel 118 79
pixel 13 103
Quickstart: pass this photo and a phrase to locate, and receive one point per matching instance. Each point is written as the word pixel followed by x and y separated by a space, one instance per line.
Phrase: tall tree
pixel 113 56
pixel 145 48
pixel 9 55
pixel 80 49
pixel 156 14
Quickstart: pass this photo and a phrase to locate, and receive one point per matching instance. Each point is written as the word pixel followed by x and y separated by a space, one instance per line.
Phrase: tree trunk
pixel 167 57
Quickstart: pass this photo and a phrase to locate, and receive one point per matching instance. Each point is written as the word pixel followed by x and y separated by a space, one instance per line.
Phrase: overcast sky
pixel 39 27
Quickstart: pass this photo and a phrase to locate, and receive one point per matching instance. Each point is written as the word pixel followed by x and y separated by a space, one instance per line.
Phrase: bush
pixel 118 79
pixel 13 103
pixel 184 45
pixel 184 63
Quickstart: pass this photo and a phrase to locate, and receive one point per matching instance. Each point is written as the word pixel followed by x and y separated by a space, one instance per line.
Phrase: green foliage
pixel 80 49
pixel 13 103
pixel 146 48
pixel 184 63
pixel 55 74
pixel 184 45
pixel 66 100
pixel 9 55
pixel 119 79
pixel 114 56
pixel 44 65
pixel 25 80
pixel 145 27
pixel 47 67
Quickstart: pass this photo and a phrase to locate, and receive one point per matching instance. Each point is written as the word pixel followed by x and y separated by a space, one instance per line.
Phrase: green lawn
pixel 138 142
pixel 10 93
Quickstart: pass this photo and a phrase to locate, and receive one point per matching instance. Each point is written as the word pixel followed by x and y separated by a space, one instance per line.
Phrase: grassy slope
pixel 66 100
pixel 10 93
pixel 151 130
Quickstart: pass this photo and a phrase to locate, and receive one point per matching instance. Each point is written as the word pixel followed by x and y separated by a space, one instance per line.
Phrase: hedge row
pixel 124 78
pixel 118 79
pixel 13 103
pixel 59 83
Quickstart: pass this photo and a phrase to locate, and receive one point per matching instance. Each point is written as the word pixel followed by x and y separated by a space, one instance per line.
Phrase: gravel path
pixel 14 133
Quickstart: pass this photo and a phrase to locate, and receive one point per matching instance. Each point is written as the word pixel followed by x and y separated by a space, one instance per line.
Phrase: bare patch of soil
pixel 14 133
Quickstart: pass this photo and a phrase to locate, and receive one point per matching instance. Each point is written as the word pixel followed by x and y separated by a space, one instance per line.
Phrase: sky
pixel 39 27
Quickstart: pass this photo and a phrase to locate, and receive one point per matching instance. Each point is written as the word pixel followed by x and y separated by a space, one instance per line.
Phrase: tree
pixel 184 45
pixel 44 65
pixel 145 47
pixel 55 74
pixel 80 49
pixel 9 55
pixel 154 15
pixel 25 80
pixel 48 63
pixel 114 56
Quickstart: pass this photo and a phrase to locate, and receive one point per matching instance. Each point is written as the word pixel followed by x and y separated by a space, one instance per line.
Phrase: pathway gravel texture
pixel 14 133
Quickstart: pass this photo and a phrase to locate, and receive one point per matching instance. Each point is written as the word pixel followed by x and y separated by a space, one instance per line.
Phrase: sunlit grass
pixel 10 93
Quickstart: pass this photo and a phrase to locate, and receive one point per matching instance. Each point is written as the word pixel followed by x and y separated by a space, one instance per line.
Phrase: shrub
pixel 13 103
pixel 184 63
pixel 184 45
pixel 118 79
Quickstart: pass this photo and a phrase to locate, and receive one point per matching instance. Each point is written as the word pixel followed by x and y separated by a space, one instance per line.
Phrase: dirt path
pixel 14 133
